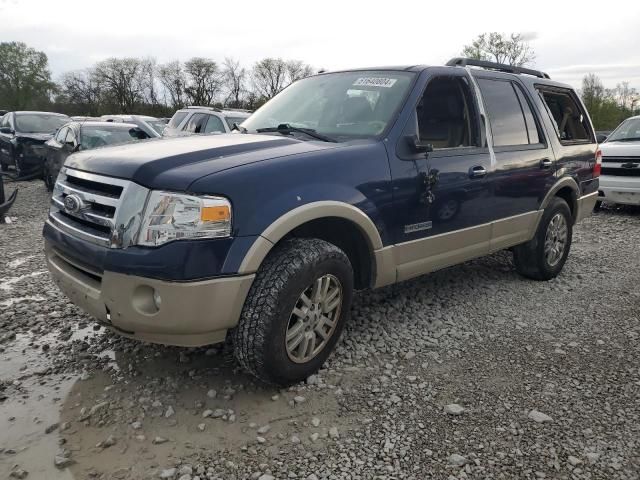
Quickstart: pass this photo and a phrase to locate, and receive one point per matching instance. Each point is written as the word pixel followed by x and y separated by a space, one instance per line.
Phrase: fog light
pixel 157 299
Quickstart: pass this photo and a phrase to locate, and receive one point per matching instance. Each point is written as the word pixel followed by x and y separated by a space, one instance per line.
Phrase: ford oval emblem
pixel 73 203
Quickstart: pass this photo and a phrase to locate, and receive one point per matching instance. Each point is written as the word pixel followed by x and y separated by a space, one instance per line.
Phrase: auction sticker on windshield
pixel 374 82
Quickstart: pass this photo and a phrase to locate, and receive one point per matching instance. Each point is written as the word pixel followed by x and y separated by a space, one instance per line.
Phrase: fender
pixel 562 183
pixel 303 214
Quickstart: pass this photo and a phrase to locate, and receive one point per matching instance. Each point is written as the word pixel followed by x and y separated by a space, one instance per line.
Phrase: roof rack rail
pixel 501 67
pixel 215 109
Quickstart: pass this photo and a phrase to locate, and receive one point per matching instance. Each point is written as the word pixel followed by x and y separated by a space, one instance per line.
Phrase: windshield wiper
pixel 286 129
pixel 240 128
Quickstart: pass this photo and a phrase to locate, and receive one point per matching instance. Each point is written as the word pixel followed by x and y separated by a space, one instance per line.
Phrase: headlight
pixel 172 216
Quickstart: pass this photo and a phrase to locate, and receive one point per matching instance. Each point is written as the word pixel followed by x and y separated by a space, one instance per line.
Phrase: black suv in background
pixel 22 138
pixel 345 180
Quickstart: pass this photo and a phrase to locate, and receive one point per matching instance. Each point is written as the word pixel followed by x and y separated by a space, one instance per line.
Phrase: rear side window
pixel 196 123
pixel 177 119
pixel 569 119
pixel 506 116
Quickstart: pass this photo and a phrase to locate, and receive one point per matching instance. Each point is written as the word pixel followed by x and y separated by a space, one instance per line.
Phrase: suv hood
pixel 175 163
pixel 620 149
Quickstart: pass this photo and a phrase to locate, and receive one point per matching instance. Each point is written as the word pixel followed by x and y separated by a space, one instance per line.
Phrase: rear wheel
pixel 295 311
pixel 543 257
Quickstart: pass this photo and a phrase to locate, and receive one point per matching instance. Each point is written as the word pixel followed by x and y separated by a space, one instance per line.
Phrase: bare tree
pixel 511 49
pixel 204 80
pixel 122 81
pixel 297 70
pixel 235 77
pixel 81 88
pixel 626 96
pixel 271 75
pixel 174 80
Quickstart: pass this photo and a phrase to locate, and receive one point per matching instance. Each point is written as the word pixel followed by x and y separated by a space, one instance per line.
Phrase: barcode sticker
pixel 374 82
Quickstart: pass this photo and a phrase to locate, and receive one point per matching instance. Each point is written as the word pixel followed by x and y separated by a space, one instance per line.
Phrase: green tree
pixel 510 49
pixel 25 79
pixel 607 107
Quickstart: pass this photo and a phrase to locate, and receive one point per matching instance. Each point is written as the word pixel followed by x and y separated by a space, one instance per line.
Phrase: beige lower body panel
pixel 586 205
pixel 190 313
pixel 426 255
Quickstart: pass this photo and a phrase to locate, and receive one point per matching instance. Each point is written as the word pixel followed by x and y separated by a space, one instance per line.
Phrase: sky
pixel 569 38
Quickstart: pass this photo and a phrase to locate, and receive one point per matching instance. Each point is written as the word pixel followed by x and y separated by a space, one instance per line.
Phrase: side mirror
pixel 7 130
pixel 601 137
pixel 417 146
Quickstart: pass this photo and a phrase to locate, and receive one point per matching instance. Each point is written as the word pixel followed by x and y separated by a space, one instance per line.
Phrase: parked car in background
pixel 196 120
pixel 620 180
pixel 76 136
pixel 347 180
pixel 83 118
pixel 151 125
pixel 22 138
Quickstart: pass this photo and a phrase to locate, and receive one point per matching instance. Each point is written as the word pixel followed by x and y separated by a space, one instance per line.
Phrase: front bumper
pixel 190 313
pixel 624 190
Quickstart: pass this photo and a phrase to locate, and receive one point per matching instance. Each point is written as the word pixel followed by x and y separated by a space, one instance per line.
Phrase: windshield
pixel 626 131
pixel 231 120
pixel 39 123
pixel 347 104
pixel 177 119
pixel 94 137
pixel 157 125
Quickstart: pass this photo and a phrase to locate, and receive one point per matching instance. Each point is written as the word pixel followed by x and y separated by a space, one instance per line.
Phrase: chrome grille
pixel 621 166
pixel 102 210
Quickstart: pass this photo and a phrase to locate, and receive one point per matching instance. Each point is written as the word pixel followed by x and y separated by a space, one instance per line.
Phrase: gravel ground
pixel 471 372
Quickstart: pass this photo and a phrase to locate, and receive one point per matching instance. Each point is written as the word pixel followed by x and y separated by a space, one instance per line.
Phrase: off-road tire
pixel 530 259
pixel 259 337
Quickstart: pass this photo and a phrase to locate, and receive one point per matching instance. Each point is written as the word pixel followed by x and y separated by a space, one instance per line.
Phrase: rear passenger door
pixel 525 167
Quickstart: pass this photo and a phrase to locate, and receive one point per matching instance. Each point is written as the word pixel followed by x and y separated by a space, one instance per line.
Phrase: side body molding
pixel 312 211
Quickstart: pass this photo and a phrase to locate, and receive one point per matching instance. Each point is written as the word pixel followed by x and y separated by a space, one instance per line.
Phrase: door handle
pixel 477 172
pixel 546 163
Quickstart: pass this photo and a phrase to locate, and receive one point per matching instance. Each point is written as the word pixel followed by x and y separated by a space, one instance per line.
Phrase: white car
pixel 620 179
pixel 197 120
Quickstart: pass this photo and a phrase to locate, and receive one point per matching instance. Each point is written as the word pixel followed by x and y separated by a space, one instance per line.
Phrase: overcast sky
pixel 570 38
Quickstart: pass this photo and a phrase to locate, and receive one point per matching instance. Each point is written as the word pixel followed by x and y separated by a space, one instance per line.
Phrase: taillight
pixel 597 167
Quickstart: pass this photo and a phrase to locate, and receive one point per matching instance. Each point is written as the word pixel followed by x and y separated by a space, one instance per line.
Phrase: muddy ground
pixel 471 372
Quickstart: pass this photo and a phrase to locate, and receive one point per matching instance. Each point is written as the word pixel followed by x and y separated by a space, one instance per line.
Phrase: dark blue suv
pixel 346 180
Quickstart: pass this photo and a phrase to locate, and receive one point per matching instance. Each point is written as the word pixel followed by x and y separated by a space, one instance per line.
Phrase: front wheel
pixel 543 257
pixel 295 311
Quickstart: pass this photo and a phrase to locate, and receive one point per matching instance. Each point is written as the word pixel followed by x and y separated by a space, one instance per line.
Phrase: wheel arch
pixel 336 222
pixel 566 188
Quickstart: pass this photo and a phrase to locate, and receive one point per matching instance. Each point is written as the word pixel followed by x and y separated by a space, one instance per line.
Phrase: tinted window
pixel 570 120
pixel 214 124
pixel 446 118
pixel 505 115
pixel 196 123
pixel 177 119
pixel 532 128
